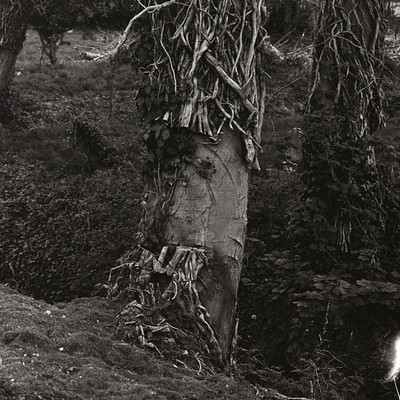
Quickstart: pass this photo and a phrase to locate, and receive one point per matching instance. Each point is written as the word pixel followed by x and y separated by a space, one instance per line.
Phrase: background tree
pixel 14 19
pixel 342 228
pixel 345 111
pixel 13 23
pixel 331 298
pixel 203 96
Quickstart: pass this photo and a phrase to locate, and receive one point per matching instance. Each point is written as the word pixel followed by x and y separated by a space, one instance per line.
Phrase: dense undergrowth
pixel 327 316
pixel 323 334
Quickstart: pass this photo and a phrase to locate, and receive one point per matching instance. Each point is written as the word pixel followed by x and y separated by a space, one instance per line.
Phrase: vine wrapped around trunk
pixel 203 60
pixel 344 186
pixel 203 96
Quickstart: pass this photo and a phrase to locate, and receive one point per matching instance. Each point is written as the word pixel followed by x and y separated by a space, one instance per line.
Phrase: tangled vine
pixel 203 60
pixel 344 186
pixel 200 63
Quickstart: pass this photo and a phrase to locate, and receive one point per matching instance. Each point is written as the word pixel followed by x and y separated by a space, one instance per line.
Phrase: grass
pixel 41 169
pixel 69 351
pixel 46 99
pixel 72 74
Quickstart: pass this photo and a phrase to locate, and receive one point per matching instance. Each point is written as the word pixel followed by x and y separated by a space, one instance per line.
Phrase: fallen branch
pixel 88 55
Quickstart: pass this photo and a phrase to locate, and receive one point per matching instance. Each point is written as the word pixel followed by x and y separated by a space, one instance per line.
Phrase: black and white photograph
pixel 199 200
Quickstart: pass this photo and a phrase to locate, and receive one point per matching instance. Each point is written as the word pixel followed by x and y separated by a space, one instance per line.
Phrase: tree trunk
pixel 51 38
pixel 12 36
pixel 209 209
pixel 204 102
pixel 7 64
pixel 342 182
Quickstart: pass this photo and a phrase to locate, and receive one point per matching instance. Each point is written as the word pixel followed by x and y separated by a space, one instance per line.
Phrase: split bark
pixel 209 210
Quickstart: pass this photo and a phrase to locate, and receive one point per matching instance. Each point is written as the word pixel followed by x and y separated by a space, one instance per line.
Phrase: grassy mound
pixel 69 351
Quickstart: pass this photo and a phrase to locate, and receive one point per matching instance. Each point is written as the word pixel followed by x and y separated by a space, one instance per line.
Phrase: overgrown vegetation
pixel 330 311
pixel 325 327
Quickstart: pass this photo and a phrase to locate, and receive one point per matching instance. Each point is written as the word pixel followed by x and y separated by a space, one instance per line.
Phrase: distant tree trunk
pixel 343 183
pixel 12 36
pixel 205 108
pixel 51 38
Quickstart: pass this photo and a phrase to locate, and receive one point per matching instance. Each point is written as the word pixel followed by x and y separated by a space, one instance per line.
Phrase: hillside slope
pixel 69 351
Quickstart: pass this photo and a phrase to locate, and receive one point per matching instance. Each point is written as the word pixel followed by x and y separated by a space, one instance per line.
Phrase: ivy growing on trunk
pixel 201 64
pixel 344 216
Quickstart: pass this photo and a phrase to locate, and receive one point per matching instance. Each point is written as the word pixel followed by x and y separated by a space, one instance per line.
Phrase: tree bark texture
pixel 12 37
pixel 209 209
pixel 345 110
pixel 204 100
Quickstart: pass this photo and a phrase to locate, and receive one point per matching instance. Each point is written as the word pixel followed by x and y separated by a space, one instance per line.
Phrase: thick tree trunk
pixel 12 36
pixel 345 111
pixel 209 209
pixel 204 102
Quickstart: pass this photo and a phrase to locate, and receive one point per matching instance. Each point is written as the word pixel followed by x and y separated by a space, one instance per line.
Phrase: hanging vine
pixel 204 65
pixel 344 186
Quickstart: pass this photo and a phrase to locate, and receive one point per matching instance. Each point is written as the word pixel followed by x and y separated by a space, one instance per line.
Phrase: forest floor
pixel 65 225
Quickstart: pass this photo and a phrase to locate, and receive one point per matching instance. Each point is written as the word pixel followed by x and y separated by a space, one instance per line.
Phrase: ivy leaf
pixel 165 134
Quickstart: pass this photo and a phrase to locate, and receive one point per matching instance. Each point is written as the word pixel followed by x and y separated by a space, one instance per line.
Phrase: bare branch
pixel 134 19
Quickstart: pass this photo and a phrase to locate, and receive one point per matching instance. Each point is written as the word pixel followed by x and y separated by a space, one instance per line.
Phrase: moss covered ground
pixel 69 351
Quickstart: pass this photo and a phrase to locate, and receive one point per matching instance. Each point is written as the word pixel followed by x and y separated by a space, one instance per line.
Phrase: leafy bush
pixel 323 315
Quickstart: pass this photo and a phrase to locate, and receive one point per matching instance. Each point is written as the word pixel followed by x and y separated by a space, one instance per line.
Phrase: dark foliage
pixel 60 236
pixel 99 152
pixel 290 16
pixel 323 314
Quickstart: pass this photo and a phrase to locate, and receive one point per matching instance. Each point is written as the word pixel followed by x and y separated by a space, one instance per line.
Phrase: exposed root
pixel 165 302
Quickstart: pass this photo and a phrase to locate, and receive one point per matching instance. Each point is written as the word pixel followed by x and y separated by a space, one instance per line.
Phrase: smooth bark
pixel 209 210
